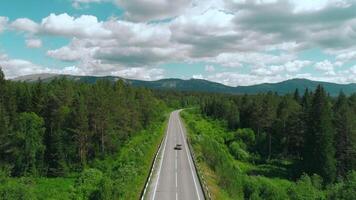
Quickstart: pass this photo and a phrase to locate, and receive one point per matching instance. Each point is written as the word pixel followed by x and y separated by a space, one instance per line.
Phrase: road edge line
pixel 201 179
pixel 191 157
pixel 144 190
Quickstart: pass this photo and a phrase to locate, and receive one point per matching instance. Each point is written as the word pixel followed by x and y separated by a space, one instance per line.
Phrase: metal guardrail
pixel 144 190
pixel 200 175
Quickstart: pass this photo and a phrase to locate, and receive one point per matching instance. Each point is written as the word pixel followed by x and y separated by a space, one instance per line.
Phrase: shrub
pixel 344 190
pixel 238 152
pixel 11 190
pixel 92 185
pixel 260 188
pixel 304 189
pixel 247 136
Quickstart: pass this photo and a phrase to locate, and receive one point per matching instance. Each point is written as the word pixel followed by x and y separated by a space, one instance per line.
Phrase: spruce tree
pixel 319 152
pixel 80 128
pixel 296 96
pixel 345 136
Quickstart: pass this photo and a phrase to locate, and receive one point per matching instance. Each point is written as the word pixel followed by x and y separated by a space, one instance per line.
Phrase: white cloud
pixel 209 68
pixel 18 67
pixel 198 76
pixel 264 36
pixel 3 23
pixel 238 79
pixel 77 50
pixel 78 3
pixel 65 25
pixel 33 43
pixel 325 65
pixel 140 73
pixel 296 65
pixel 143 10
pixel 353 70
pixel 346 56
pixel 25 24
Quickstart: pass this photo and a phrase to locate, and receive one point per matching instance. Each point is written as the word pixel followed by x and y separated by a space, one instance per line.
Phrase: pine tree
pixel 319 152
pixel 345 136
pixel 80 129
pixel 53 140
pixel 297 96
pixel 4 134
pixel 268 117
pixel 38 98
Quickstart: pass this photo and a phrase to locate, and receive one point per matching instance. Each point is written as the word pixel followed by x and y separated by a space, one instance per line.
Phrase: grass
pixel 46 188
pixel 212 182
pixel 53 188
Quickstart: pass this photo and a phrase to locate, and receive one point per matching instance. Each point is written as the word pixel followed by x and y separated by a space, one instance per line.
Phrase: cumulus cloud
pixel 25 24
pixel 330 26
pixel 79 3
pixel 3 23
pixel 19 67
pixel 65 25
pixel 33 43
pixel 263 37
pixel 347 56
pixel 143 10
pixel 290 67
pixel 209 68
pixel 325 66
pixel 140 73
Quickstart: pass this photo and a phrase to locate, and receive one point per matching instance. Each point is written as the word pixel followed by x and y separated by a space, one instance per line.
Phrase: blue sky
pixel 234 42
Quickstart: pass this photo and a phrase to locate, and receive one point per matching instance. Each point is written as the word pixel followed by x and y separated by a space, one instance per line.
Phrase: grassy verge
pixel 131 168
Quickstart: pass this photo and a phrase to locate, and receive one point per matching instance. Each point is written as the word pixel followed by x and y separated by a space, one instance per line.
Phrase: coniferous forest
pixel 64 128
pixel 266 146
pixel 71 140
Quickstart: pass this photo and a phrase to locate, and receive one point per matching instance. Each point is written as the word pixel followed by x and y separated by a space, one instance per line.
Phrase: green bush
pixel 306 188
pixel 262 188
pixel 237 151
pixel 247 136
pixel 344 190
pixel 92 185
pixel 13 190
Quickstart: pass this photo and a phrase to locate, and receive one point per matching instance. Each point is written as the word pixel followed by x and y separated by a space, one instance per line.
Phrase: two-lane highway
pixel 174 175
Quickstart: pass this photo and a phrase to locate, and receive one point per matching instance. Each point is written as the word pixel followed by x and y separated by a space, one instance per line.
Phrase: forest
pixel 72 140
pixel 268 146
pixel 66 139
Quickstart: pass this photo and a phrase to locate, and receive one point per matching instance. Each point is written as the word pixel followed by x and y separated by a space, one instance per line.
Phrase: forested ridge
pixel 268 146
pixel 89 133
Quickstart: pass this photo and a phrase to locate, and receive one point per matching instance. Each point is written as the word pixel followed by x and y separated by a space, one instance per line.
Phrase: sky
pixel 234 42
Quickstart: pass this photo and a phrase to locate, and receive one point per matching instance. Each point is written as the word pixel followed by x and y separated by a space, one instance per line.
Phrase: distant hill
pixel 289 86
pixel 200 85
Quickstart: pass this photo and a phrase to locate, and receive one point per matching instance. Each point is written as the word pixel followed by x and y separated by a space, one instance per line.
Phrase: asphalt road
pixel 174 175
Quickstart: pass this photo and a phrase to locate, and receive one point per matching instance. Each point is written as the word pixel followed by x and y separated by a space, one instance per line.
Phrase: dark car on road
pixel 178 147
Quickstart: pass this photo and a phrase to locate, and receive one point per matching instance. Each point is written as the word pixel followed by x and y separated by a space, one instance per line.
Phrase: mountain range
pixel 200 85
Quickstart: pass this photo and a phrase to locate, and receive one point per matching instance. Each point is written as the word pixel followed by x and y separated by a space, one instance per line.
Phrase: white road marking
pixel 163 153
pixel 176 170
pixel 190 164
